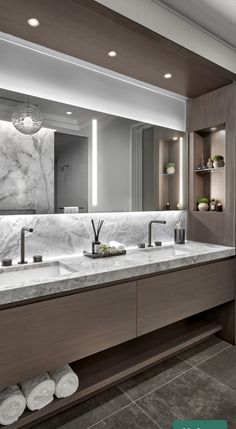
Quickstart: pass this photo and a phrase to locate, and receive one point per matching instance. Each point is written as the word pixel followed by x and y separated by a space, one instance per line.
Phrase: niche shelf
pixel 209 170
pixel 166 174
pixel 209 182
pixel 169 191
pixel 102 370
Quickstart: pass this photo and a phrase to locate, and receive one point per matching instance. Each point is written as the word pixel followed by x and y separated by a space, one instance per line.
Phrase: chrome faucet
pixel 150 230
pixel 22 244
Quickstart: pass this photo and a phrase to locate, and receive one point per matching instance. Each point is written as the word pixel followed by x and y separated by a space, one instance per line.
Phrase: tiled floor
pixel 200 383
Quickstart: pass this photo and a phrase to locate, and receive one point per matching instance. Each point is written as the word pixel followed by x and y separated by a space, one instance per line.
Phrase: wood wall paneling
pixel 87 30
pixel 212 109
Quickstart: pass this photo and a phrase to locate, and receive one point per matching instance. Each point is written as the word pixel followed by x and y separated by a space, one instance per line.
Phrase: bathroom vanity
pixel 113 317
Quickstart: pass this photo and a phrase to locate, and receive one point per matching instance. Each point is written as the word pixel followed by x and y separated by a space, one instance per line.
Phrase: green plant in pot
pixel 170 168
pixel 218 161
pixel 203 204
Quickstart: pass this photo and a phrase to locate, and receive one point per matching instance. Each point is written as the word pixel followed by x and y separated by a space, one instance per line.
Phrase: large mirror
pixel 85 161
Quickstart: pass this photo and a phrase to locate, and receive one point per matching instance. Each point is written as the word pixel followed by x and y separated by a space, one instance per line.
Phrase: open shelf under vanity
pixel 104 369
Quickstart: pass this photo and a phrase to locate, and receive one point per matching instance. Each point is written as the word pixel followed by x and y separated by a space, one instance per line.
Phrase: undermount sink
pixel 41 271
pixel 171 250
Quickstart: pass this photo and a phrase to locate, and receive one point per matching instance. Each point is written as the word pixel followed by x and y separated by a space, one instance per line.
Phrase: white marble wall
pixel 26 170
pixel 58 235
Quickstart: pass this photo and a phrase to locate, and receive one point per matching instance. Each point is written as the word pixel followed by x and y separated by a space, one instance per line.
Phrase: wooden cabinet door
pixel 167 298
pixel 45 335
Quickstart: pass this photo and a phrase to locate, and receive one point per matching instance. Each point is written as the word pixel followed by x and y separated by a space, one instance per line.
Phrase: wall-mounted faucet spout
pixel 22 244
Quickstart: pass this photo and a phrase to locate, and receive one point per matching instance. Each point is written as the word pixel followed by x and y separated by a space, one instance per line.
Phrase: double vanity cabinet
pixel 115 329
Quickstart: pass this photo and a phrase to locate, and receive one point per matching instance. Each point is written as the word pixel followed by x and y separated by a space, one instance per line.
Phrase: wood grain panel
pixel 165 299
pixel 88 30
pixel 209 110
pixel 46 335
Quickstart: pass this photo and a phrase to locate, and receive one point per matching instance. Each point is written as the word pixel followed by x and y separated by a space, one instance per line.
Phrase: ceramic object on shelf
pixel 202 164
pixel 179 206
pixel 170 170
pixel 209 163
pixel 218 164
pixel 203 207
pixel 218 161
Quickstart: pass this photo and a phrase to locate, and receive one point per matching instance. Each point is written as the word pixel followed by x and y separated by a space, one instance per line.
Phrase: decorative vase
pixel 170 170
pixel 203 207
pixel 179 206
pixel 218 164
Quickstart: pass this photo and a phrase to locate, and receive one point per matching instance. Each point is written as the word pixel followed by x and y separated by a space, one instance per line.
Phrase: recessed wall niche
pixel 171 173
pixel 208 180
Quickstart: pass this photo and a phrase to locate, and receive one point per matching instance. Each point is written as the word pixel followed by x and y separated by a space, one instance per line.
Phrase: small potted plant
pixel 203 204
pixel 170 168
pixel 218 161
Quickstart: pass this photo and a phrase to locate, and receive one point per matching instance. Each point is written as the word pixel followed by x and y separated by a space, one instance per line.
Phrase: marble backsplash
pixel 61 234
pixel 26 171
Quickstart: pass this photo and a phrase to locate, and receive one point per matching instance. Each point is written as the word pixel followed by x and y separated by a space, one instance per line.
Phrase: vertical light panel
pixel 94 163
pixel 181 172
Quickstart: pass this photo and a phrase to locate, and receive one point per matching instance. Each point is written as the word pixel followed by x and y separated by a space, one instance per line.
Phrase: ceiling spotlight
pixel 213 128
pixel 167 75
pixel 33 22
pixel 69 113
pixel 112 54
pixel 175 138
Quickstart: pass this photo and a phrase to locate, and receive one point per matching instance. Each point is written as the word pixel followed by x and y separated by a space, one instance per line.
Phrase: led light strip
pixel 94 163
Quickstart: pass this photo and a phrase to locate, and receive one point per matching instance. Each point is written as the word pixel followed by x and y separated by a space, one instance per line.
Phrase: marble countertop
pixel 85 273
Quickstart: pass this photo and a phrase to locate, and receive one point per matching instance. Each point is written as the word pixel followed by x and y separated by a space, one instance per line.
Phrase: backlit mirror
pixel 87 161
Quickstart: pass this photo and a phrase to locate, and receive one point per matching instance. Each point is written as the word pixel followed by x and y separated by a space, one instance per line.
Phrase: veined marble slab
pixel 26 170
pixel 66 234
pixel 136 262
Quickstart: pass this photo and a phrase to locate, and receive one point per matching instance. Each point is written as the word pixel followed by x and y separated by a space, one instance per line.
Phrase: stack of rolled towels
pixel 36 393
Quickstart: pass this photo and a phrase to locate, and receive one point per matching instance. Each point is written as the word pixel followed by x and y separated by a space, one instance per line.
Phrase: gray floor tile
pixel 203 351
pixel 89 412
pixel 193 395
pixel 154 377
pixel 222 367
pixel 130 417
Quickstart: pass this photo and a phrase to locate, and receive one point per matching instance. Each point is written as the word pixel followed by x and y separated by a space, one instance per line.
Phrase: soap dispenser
pixel 179 234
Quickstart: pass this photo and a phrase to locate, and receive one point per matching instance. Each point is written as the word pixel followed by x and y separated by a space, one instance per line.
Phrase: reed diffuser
pixel 96 243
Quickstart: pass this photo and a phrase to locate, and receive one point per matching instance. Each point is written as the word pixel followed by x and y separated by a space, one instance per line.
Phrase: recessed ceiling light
pixel 175 138
pixel 167 75
pixel 33 22
pixel 69 113
pixel 112 54
pixel 213 128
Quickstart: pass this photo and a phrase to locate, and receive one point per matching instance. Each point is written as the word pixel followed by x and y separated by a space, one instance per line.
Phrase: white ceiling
pixel 218 17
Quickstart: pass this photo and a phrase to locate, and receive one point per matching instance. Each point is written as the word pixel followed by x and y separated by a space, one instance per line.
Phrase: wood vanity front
pixel 101 331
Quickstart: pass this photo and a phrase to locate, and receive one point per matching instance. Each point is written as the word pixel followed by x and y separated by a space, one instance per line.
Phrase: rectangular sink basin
pixel 167 250
pixel 42 271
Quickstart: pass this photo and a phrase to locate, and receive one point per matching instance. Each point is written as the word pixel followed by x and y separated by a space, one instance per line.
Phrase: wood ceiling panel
pixel 88 30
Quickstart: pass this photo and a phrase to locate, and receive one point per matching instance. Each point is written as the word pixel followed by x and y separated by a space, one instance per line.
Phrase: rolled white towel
pixel 117 245
pixel 38 391
pixel 12 405
pixel 67 382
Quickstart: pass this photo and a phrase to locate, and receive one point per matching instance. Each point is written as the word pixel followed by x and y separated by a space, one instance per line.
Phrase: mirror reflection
pixel 56 158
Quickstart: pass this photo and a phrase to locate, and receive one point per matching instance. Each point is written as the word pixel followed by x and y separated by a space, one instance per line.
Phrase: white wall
pixel 38 71
pixel 153 16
